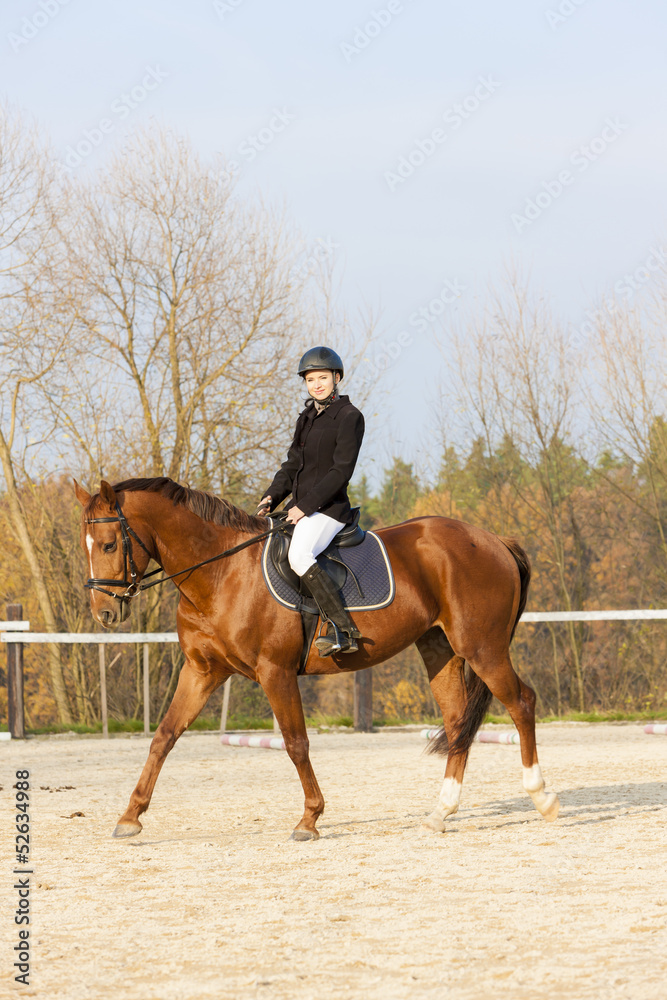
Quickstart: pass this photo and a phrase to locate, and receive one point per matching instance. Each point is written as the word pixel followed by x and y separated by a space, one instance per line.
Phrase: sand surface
pixel 213 900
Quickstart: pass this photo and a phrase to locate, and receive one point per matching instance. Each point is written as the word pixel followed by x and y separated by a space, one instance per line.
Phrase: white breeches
pixel 311 536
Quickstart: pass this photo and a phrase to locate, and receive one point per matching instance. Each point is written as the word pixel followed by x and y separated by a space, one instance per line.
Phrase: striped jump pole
pixel 483 736
pixel 265 742
pixel 656 728
pixel 429 734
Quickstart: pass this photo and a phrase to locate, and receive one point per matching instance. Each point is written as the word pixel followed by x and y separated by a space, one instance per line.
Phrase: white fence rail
pixel 17 632
pixel 93 637
pixel 14 633
pixel 530 617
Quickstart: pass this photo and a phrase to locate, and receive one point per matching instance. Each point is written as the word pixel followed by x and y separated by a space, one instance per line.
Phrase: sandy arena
pixel 213 900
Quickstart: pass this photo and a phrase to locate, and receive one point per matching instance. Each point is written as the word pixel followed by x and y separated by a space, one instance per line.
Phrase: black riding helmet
pixel 320 358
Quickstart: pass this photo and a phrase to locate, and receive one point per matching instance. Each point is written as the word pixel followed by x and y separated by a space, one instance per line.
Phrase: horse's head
pixel 115 565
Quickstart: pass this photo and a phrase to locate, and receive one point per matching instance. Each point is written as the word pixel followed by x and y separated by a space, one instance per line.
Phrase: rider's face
pixel 320 383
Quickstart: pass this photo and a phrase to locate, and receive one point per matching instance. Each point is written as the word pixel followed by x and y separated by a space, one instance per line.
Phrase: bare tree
pixel 630 409
pixel 189 314
pixel 32 342
pixel 517 381
pixel 151 323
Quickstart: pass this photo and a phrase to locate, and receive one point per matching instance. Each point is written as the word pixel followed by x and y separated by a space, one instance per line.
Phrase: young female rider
pixel 319 466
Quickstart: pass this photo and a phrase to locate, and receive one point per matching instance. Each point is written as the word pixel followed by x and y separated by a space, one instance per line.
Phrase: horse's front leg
pixel 193 690
pixel 282 690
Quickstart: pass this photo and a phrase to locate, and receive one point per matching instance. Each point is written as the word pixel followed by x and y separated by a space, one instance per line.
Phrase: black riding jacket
pixel 321 460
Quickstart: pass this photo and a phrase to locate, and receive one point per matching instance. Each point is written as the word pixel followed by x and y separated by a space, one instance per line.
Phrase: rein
pixel 133 587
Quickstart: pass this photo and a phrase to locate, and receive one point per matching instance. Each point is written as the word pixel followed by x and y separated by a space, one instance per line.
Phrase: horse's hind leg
pixel 446 677
pixel 497 672
pixel 192 692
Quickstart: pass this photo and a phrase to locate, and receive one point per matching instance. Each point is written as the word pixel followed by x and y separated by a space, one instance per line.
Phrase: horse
pixel 460 591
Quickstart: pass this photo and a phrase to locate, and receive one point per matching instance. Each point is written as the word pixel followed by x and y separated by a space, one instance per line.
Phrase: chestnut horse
pixel 460 591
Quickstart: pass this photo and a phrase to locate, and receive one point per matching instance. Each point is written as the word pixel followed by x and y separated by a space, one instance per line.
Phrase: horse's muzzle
pixel 108 617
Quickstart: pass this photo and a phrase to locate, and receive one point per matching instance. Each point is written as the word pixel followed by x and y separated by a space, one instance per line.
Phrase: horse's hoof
pixel 305 835
pixel 551 807
pixel 127 830
pixel 433 824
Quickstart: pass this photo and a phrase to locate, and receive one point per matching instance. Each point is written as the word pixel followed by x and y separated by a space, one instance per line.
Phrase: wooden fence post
pixel 363 701
pixel 226 687
pixel 15 715
pixel 147 700
pixel 103 692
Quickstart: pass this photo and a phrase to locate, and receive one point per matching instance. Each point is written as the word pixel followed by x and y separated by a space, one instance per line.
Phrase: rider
pixel 318 468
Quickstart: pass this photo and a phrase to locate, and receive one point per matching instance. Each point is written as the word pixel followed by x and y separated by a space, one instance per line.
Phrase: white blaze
pixel 90 541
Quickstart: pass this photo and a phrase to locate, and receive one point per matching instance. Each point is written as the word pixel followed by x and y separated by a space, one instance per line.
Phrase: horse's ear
pixel 82 495
pixel 107 493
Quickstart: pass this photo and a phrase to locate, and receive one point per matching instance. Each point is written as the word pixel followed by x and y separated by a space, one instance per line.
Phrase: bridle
pixel 133 587
pixel 127 534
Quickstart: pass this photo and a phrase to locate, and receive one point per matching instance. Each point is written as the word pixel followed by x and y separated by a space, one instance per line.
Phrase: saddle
pixel 356 560
pixel 349 536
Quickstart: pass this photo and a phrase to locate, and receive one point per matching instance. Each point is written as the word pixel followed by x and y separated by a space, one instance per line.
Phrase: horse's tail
pixel 478 695
pixel 523 563
pixel 478 699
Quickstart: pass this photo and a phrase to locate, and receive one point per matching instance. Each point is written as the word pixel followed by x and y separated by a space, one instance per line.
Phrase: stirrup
pixel 339 642
pixel 328 644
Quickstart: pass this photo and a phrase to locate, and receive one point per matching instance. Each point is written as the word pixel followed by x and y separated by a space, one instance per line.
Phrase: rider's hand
pixel 264 505
pixel 294 515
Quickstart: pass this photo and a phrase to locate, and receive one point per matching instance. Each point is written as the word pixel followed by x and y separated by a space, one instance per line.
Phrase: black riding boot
pixel 342 632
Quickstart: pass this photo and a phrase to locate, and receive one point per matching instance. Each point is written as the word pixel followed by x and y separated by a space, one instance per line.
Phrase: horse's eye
pixel 109 547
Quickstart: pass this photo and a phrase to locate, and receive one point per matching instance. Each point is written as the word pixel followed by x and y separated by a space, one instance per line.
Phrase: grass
pixel 647 715
pixel 320 721
pixel 333 722
pixel 137 725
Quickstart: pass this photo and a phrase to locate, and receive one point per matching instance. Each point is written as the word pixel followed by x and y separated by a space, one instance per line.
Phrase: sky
pixel 425 146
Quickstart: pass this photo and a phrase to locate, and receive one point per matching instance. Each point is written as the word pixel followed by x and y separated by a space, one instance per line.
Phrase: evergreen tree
pixel 398 494
pixel 508 465
pixel 450 469
pixel 360 496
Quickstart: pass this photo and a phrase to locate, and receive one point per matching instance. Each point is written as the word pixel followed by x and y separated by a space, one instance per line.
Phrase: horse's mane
pixel 204 505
